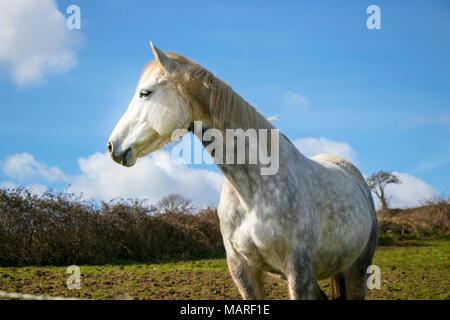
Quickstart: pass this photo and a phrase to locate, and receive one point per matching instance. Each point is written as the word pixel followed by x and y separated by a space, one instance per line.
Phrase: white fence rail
pixel 21 296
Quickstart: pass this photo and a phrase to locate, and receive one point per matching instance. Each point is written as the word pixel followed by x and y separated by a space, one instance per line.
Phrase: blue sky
pixel 385 94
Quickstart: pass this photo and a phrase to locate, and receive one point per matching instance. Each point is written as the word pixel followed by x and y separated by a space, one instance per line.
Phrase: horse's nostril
pixel 110 147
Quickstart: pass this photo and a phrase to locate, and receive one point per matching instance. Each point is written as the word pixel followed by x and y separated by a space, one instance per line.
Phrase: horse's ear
pixel 163 59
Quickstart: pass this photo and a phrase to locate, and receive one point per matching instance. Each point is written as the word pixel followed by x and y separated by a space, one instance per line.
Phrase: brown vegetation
pixel 61 229
pixel 431 220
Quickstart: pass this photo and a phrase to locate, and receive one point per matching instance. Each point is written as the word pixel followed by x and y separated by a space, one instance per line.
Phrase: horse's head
pixel 156 110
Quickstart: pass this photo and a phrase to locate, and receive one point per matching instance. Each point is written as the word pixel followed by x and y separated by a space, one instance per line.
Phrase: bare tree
pixel 175 203
pixel 377 183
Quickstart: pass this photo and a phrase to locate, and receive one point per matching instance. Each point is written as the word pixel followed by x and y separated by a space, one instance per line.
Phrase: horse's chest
pixel 261 242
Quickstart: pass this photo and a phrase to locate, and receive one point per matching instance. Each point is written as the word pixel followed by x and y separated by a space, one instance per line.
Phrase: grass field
pixel 413 270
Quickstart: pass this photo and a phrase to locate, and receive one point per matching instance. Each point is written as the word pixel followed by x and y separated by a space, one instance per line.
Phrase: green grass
pixel 413 270
pixel 417 270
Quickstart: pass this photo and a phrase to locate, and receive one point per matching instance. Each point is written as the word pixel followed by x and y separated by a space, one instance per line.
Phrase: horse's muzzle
pixel 124 158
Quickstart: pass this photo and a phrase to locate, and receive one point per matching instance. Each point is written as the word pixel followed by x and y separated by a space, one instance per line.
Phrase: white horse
pixel 313 219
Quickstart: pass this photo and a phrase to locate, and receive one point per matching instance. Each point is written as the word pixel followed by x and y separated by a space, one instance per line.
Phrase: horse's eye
pixel 144 93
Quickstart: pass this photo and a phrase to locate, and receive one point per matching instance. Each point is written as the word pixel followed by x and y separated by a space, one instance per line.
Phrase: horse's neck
pixel 244 177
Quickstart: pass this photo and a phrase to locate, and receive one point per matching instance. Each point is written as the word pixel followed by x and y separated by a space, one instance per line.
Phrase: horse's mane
pixel 226 107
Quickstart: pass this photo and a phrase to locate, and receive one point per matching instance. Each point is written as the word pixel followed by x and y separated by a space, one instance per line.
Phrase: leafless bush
pixel 175 203
pixel 61 230
pixel 430 219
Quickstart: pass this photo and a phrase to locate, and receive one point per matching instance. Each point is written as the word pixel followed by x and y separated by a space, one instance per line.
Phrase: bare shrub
pixel 175 203
pixel 61 230
pixel 432 219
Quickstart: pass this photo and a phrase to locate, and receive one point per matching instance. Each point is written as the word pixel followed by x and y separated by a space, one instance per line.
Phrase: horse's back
pixel 344 164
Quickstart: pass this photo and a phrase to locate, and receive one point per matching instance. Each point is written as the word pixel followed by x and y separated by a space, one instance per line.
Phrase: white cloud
pixel 313 146
pixel 8 185
pixel 152 177
pixel 426 120
pixel 34 188
pixel 411 192
pixel 296 100
pixel 156 176
pixel 34 40
pixel 23 165
pixel 433 164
